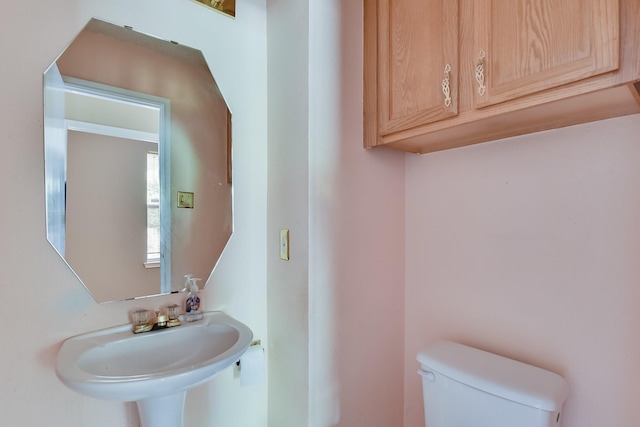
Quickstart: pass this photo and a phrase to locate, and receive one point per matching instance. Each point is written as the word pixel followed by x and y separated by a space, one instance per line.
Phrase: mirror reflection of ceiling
pixel 200 162
pixel 108 112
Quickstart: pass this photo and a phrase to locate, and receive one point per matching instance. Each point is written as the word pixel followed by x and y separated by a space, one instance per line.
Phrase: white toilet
pixel 467 387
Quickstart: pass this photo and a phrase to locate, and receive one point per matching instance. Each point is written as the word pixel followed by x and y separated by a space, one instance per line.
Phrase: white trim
pixel 164 152
pixel 117 132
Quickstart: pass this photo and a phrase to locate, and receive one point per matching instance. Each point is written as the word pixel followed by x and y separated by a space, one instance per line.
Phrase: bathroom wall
pixel 336 317
pixel 42 301
pixel 356 235
pixel 529 247
pixel 288 208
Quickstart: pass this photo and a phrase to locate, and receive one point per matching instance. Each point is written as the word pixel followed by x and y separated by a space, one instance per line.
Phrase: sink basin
pixel 155 368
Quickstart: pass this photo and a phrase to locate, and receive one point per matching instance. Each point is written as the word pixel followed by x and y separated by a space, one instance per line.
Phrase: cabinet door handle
pixel 446 87
pixel 480 72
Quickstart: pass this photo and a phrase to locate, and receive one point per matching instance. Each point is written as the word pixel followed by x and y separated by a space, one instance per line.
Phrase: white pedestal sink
pixel 154 369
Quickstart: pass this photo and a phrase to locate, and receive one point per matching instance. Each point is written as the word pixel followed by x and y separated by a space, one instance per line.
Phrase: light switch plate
pixel 284 245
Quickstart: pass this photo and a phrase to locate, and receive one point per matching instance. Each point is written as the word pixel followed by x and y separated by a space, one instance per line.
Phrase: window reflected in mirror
pixel 153 210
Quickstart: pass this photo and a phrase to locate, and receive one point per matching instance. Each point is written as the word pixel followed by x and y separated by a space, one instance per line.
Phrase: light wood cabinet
pixel 419 62
pixel 445 73
pixel 529 46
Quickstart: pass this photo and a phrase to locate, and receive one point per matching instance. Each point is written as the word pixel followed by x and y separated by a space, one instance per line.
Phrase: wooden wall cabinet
pixel 440 74
pixel 418 53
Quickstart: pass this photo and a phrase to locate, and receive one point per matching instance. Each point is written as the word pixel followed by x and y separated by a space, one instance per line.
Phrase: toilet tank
pixel 467 387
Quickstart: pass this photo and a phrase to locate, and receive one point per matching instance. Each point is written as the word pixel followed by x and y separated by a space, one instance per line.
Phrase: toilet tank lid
pixel 497 375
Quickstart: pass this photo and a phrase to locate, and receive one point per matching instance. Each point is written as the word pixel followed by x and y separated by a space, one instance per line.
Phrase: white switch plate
pixel 284 245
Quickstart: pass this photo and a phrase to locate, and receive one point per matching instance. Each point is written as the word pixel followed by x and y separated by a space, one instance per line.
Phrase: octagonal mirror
pixel 137 143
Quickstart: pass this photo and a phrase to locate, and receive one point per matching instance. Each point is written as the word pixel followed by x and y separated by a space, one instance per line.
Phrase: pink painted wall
pixel 530 247
pixel 356 239
pixel 335 310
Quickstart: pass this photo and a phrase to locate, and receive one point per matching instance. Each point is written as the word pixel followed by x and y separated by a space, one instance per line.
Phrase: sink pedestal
pixel 165 411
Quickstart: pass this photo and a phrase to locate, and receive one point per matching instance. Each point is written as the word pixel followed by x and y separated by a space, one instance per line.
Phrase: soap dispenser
pixel 192 302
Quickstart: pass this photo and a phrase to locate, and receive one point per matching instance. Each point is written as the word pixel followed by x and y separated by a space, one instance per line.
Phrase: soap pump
pixel 192 303
pixel 187 283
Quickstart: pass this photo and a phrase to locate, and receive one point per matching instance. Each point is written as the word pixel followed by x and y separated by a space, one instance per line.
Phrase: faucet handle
pixel 141 320
pixel 173 312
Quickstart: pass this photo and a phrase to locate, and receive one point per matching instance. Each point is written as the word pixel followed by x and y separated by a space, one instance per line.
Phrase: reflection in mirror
pixel 131 122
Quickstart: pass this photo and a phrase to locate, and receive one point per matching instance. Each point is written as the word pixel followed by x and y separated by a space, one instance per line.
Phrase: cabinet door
pixel 527 46
pixel 417 62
